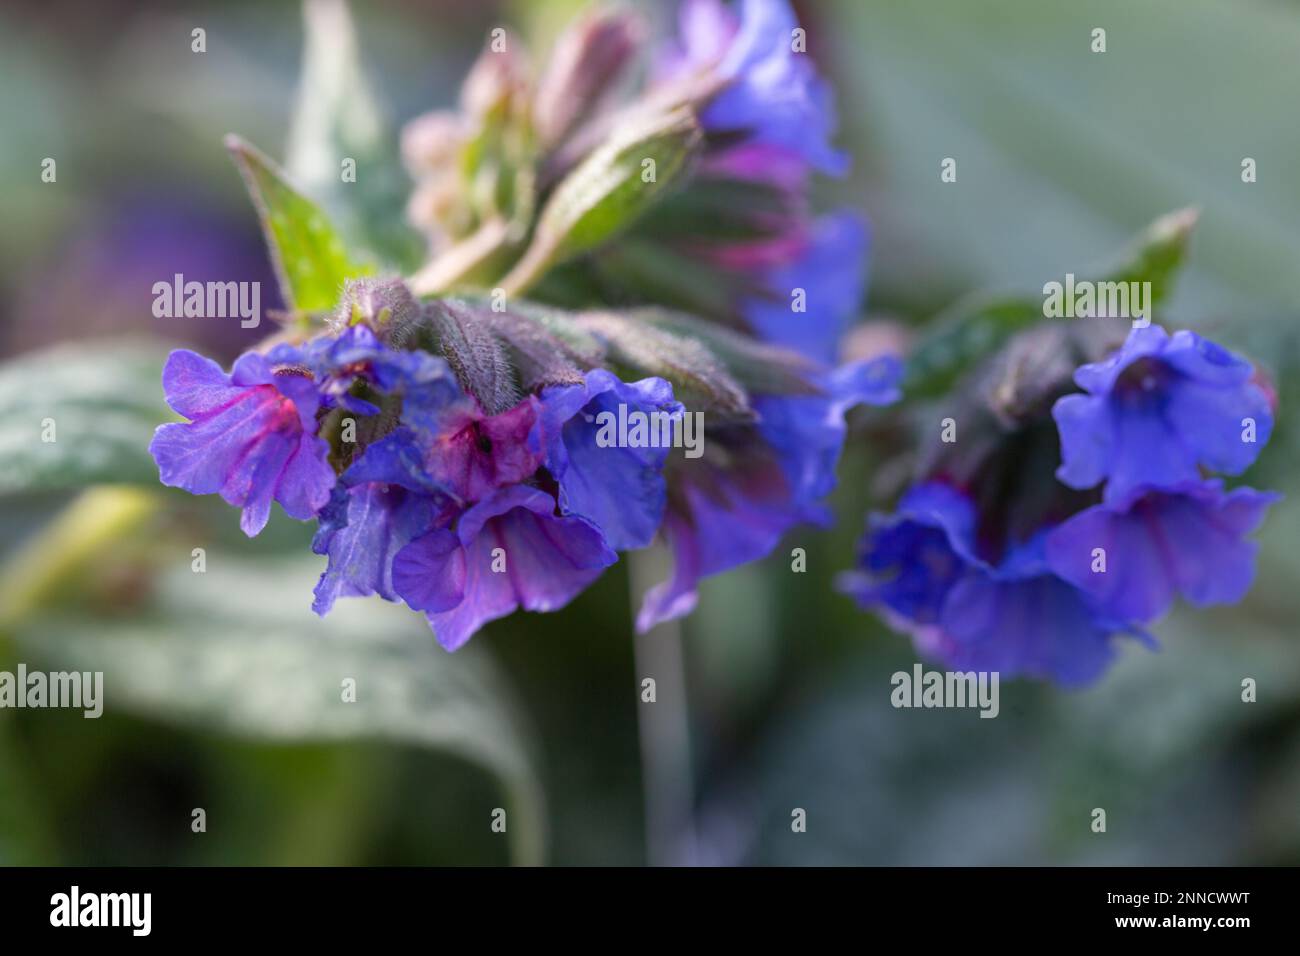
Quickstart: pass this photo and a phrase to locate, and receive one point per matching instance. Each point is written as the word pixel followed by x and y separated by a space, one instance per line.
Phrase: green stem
pixel 664 727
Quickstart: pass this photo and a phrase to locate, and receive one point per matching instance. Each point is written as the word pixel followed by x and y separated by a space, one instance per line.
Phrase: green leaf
pixel 977 326
pixel 700 380
pixel 268 669
pixel 337 119
pixel 100 403
pixel 607 192
pixel 1156 255
pixel 761 368
pixel 310 259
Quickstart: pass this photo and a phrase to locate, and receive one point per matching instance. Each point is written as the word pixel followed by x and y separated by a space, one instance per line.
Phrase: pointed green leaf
pixel 309 256
pixel 606 193
pixel 977 326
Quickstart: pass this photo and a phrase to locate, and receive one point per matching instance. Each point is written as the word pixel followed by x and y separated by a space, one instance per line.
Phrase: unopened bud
pixel 386 305
pixel 430 142
pixel 436 206
pixel 587 60
pixel 497 79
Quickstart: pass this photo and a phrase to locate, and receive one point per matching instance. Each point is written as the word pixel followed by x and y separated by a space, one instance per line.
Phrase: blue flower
pixel 911 559
pixel 251 437
pixel 1021 619
pixel 459 449
pixel 419 477
pixel 618 487
pixel 1156 410
pixel 356 355
pixel 772 94
pixel 807 431
pixel 508 551
pixel 361 531
pixel 445 513
pixel 1156 544
pixel 772 476
pixel 831 272
pixel 720 518
pixel 920 569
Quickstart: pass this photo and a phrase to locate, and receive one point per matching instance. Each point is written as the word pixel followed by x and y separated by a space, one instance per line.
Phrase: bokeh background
pixel 223 687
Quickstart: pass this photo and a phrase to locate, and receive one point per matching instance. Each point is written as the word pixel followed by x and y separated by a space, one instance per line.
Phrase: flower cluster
pixel 425 494
pixel 992 565
pixel 449 446
pixel 462 514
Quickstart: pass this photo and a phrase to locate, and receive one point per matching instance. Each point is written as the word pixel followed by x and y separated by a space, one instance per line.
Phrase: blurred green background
pixel 224 689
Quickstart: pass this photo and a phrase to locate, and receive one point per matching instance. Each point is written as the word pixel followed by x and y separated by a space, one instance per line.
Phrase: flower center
pixel 1143 381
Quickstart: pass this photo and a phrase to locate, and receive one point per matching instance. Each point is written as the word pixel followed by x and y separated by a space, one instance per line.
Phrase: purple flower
pixel 458 449
pixel 357 356
pixel 411 482
pixel 772 93
pixel 775 474
pixel 1158 408
pixel 251 438
pixel 620 487
pixel 1188 540
pixel 911 559
pixel 920 570
pixel 807 431
pixel 830 272
pixel 774 166
pixel 437 512
pixel 721 518
pixel 508 551
pixel 361 531
pixel 1021 619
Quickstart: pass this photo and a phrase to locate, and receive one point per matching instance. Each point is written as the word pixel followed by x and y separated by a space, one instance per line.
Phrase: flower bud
pixel 385 305
pixel 497 79
pixel 588 58
pixel 430 142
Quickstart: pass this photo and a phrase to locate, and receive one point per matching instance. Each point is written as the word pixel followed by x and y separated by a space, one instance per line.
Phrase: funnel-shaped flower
pixel 1156 410
pixel 509 551
pixel 616 483
pixel 772 91
pixel 251 437
pixel 1135 555
pixel 772 476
